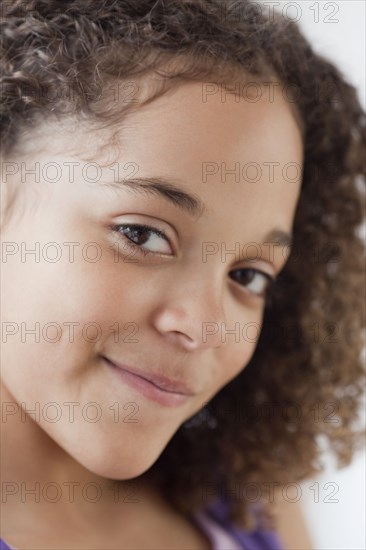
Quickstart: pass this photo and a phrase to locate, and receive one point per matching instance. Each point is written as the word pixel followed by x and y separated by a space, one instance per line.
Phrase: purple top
pixel 223 536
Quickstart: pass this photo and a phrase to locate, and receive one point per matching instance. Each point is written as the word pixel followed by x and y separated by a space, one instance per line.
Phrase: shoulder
pixel 290 523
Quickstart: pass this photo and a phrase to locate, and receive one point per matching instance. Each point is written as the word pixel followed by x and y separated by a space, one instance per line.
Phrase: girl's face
pixel 78 297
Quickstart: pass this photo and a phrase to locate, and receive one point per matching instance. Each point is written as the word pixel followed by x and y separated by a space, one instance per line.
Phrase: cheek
pixel 44 312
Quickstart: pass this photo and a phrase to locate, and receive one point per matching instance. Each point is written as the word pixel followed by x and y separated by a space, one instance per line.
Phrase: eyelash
pixel 141 250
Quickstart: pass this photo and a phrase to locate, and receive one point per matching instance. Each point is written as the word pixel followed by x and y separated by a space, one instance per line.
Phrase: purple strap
pixel 258 539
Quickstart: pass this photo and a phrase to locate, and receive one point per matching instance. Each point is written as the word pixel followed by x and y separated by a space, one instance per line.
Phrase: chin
pixel 119 469
pixel 127 462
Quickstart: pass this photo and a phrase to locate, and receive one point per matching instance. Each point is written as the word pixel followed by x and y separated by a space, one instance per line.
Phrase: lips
pixel 162 382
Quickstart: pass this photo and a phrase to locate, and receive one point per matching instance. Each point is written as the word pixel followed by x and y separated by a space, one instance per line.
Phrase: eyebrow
pixel 281 237
pixel 169 190
pixel 172 191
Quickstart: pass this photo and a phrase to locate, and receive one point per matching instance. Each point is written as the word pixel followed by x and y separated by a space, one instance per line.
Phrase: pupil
pixel 136 232
pixel 245 276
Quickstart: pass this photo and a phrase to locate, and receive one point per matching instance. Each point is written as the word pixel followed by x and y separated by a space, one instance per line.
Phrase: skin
pixel 291 523
pixel 167 298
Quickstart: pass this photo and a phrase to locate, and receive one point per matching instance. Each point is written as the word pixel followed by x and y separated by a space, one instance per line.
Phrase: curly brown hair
pixel 266 425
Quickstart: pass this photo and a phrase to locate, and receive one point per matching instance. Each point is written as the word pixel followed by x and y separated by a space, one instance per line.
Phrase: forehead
pixel 229 150
pixel 206 113
pixel 240 156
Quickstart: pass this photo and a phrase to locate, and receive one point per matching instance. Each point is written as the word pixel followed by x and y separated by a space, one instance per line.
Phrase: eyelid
pixel 269 276
pixel 254 265
pixel 270 281
pixel 142 249
pixel 155 224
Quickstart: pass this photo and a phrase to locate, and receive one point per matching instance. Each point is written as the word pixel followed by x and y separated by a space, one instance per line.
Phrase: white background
pixel 338 34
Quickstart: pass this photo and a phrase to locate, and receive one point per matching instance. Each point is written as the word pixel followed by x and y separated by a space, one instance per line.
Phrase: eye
pixel 158 241
pixel 257 282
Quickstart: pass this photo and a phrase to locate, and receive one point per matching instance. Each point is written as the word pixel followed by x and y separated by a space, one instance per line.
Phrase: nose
pixel 192 316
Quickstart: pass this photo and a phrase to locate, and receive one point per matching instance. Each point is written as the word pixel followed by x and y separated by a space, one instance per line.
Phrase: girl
pixel 182 273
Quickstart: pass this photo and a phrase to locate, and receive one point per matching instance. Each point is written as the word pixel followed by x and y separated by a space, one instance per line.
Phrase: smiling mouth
pixel 153 386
